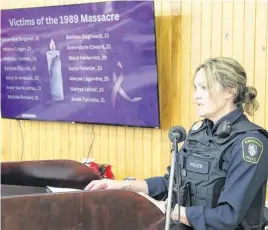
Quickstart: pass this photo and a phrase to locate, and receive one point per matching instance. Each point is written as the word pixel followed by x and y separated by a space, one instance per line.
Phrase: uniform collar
pixel 231 117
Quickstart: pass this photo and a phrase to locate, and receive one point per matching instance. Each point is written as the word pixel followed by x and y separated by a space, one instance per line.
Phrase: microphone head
pixel 177 134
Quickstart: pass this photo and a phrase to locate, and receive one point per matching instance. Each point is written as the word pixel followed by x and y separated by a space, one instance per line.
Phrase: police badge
pixel 252 149
pixel 197 125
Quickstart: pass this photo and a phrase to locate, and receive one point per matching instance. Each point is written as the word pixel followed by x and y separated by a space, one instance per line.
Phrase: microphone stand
pixel 170 187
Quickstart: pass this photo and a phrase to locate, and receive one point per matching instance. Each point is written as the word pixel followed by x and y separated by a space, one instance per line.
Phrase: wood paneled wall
pixel 188 32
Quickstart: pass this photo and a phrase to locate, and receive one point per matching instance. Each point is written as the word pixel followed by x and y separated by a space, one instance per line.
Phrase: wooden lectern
pixel 28 204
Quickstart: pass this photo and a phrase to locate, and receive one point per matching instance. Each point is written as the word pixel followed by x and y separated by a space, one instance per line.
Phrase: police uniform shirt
pixel 245 176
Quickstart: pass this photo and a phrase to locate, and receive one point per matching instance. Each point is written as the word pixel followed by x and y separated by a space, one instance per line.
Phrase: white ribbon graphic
pixel 117 87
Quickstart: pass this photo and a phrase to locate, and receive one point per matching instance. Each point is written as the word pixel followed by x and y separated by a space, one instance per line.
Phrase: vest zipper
pixel 204 156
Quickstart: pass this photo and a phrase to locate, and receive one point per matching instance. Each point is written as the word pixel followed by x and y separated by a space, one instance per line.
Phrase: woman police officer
pixel 223 160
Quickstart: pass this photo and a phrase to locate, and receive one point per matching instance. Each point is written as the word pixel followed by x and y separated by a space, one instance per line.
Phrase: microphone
pixel 177 134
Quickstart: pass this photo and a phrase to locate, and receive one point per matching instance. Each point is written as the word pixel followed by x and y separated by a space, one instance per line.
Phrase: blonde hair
pixel 231 75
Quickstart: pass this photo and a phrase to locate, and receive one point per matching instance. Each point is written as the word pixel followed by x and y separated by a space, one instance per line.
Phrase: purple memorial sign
pixel 88 63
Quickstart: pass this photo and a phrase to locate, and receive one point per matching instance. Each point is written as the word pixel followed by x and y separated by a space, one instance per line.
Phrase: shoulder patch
pixel 252 149
pixel 197 125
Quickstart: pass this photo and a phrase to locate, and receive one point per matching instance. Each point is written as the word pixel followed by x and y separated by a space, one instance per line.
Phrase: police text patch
pixel 199 166
pixel 252 149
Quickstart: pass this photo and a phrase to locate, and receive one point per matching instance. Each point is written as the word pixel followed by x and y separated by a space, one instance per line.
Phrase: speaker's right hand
pixel 104 184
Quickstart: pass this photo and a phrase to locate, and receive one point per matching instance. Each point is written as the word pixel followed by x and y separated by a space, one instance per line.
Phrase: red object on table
pixel 104 170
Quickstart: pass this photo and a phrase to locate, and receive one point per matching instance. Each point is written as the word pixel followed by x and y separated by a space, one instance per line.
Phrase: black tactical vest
pixel 201 177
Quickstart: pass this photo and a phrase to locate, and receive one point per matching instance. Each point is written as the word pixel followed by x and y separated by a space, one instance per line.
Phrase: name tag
pixel 198 166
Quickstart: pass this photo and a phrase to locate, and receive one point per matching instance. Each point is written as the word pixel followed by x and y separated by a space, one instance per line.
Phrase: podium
pixel 58 173
pixel 27 204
